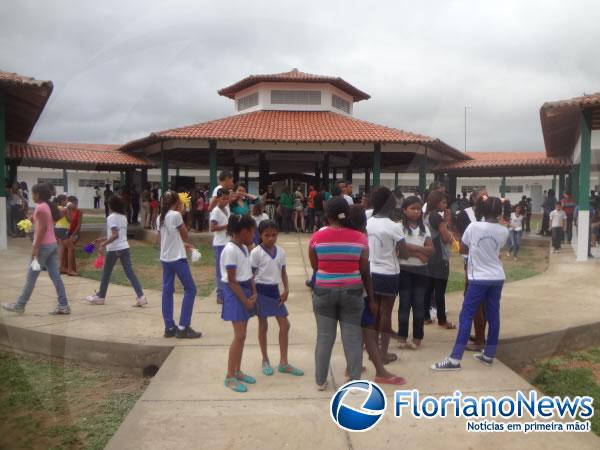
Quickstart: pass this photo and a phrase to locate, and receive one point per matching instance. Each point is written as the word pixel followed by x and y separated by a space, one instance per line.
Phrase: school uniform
pixel 236 257
pixel 267 268
pixel 219 217
pixel 486 279
pixel 384 235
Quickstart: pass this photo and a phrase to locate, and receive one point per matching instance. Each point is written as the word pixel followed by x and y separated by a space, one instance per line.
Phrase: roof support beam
pixel 212 158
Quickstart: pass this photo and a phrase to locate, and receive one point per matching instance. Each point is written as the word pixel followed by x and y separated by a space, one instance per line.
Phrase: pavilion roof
pixel 296 127
pixel 63 155
pixel 294 76
pixel 24 101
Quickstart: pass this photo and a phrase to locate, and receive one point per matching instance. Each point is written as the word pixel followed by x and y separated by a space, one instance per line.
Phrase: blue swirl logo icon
pixel 361 418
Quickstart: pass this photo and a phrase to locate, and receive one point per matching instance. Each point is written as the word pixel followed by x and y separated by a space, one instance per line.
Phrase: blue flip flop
pixel 235 385
pixel 289 369
pixel 267 369
pixel 241 376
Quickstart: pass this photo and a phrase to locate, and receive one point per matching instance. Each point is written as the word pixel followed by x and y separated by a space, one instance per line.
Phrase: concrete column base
pixel 3 225
pixel 583 235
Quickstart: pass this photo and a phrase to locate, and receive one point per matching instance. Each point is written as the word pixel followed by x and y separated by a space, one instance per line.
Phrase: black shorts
pixel 384 284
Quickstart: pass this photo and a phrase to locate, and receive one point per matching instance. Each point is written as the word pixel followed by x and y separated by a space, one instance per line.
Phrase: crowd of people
pixel 365 251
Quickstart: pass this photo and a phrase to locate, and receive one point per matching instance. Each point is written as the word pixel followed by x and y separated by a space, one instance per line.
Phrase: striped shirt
pixel 338 254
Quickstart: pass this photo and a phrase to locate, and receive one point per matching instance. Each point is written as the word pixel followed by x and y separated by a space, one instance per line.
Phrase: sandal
pixel 389 358
pixel 428 322
pixel 235 385
pixel 288 368
pixel 267 369
pixel 395 380
pixel 403 344
pixel 241 376
pixel 322 387
pixel 447 325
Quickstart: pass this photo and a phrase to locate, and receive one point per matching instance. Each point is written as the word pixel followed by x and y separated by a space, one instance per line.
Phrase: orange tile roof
pixel 584 101
pixel 72 156
pixel 24 101
pixel 294 76
pixel 506 163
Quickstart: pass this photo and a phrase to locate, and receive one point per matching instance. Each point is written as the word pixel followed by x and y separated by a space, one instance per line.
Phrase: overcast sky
pixel 122 69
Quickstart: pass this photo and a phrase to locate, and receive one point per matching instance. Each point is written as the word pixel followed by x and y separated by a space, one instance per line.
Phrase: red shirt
pixel 75 218
pixel 311 198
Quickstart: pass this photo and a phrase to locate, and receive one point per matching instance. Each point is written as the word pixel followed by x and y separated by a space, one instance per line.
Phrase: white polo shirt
pixel 238 258
pixel 267 267
pixel 171 244
pixel 219 217
pixel 384 234
pixel 485 241
pixel 415 237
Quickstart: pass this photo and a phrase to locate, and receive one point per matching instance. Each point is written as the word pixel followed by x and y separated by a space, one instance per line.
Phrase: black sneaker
pixel 483 359
pixel 445 365
pixel 187 333
pixel 170 332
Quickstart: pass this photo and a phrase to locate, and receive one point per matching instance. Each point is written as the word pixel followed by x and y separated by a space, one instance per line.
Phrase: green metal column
pixel 452 187
pixel 377 164
pixel 123 179
pixel 326 171
pixel 3 224
pixel 164 170
pixel 585 161
pixel 177 172
pixel 212 156
pixel 554 183
pixel 144 178
pixel 503 187
pixel 317 176
pixel 349 174
pixel 12 174
pixel 236 173
pixel 395 179
pixel 561 185
pixel 422 173
pixel 367 181
pixel 65 181
pixel 575 182
pixel 246 176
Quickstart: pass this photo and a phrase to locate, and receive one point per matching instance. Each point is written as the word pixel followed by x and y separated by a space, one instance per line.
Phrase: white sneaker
pixel 322 387
pixel 94 300
pixel 141 301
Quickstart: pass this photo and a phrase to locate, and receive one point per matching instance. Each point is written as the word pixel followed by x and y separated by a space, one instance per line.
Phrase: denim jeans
pixel 109 264
pixel 412 295
pixel 344 305
pixel 47 257
pixel 180 268
pixel 515 241
pixel 436 287
pixel 478 293
pixel 218 249
pixel 557 237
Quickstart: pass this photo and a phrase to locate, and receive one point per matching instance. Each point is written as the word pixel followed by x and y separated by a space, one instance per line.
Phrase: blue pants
pixel 489 294
pixel 218 249
pixel 180 268
pixel 109 265
pixel 48 257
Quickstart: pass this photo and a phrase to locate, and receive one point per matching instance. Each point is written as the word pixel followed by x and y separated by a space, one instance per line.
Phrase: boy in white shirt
pixel 558 222
pixel 218 220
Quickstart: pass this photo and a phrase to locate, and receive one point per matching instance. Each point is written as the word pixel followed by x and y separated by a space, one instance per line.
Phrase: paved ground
pixel 187 406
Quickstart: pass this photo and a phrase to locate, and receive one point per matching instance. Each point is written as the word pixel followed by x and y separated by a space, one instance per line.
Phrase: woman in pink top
pixel 339 257
pixel 45 252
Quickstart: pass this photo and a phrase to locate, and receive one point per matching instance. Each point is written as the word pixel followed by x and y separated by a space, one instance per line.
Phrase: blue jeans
pixel 180 268
pixel 515 241
pixel 47 257
pixel 109 264
pixel 478 292
pixel 218 249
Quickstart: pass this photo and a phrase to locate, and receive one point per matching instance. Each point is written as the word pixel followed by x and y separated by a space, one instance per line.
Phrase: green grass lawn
pixel 89 219
pixel 59 405
pixel 146 264
pixel 576 373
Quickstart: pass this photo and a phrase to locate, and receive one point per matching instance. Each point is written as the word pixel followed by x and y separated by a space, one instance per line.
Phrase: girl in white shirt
pixel 413 273
pixel 259 215
pixel 217 223
pixel 268 264
pixel 173 235
pixel 516 231
pixel 115 247
pixel 239 302
pixel 482 241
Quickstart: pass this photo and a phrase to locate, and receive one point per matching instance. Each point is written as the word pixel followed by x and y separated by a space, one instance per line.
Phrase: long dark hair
pixel 488 207
pixel 433 200
pixel 357 219
pixel 383 201
pixel 239 222
pixel 409 201
pixel 168 199
pixel 116 204
pixel 44 193
pixel 337 210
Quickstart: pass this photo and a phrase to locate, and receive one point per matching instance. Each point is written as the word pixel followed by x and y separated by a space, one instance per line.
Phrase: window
pixel 295 97
pixel 53 181
pixel 340 103
pixel 406 189
pixel 469 189
pixel 515 189
pixel 91 183
pixel 247 102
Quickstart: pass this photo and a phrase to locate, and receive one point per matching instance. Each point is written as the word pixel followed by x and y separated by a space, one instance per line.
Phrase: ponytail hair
pixel 337 210
pixel 44 193
pixel 239 222
pixel 168 199
pixel 488 207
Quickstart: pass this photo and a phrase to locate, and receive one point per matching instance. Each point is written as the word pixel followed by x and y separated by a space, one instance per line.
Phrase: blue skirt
pixel 233 309
pixel 384 284
pixel 368 319
pixel 268 301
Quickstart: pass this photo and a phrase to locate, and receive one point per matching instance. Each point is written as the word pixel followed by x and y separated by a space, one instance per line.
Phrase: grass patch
pixel 572 374
pixel 89 219
pixel 146 264
pixel 59 405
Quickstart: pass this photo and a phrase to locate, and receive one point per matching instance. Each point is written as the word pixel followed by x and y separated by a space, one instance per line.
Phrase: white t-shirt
pixel 384 234
pixel 171 244
pixel 219 217
pixel 119 221
pixel 259 219
pixel 267 268
pixel 557 218
pixel 485 241
pixel 349 199
pixel 415 238
pixel 516 222
pixel 238 258
pixel 369 213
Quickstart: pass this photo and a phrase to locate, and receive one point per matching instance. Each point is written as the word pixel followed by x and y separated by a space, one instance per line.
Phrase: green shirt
pixel 286 200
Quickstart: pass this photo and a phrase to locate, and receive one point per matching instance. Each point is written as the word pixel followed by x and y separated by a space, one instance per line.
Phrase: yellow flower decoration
pixel 25 225
pixel 185 199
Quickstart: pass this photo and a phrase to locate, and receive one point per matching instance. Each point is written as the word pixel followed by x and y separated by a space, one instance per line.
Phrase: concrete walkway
pixel 187 406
